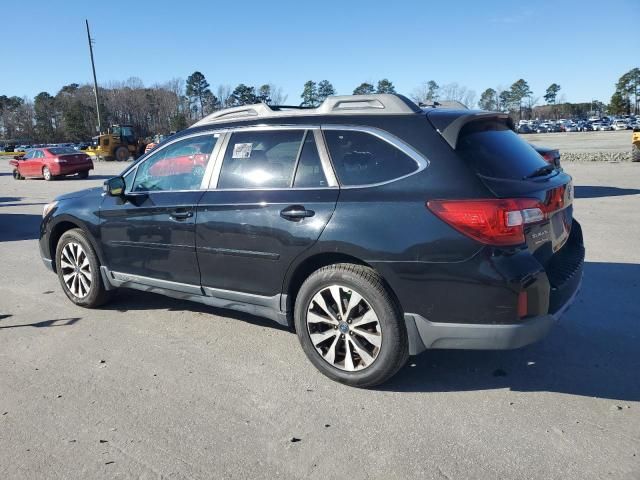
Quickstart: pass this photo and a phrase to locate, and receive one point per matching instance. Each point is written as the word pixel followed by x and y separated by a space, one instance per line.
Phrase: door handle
pixel 181 214
pixel 296 212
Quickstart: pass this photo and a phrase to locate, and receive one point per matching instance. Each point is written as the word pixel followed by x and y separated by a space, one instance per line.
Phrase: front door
pixel 150 232
pixel 274 197
pixel 29 166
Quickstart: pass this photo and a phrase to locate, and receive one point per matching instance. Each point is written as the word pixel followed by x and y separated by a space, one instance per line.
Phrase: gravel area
pixel 587 146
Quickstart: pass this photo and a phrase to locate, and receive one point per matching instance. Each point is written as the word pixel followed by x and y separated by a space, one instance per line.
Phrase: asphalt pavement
pixel 151 387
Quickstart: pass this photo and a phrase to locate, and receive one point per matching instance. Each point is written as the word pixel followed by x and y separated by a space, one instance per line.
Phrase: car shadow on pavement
pixel 19 226
pixel 594 350
pixel 100 177
pixel 591 191
pixel 127 300
pixel 60 322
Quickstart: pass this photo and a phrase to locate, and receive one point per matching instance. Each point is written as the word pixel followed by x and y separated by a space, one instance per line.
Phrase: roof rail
pixel 382 103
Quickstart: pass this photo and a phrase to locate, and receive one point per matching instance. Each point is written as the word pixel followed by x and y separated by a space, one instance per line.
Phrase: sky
pixel 584 46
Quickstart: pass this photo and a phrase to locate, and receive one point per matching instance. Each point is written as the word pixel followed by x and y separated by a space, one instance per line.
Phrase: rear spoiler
pixel 449 123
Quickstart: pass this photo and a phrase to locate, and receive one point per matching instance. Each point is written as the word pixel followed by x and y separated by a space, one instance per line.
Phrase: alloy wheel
pixel 344 328
pixel 76 269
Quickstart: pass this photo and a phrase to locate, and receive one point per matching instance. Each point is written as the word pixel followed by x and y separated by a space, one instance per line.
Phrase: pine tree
pixel 243 95
pixel 488 100
pixel 364 89
pixel 310 95
pixel 385 86
pixel 325 89
pixel 198 92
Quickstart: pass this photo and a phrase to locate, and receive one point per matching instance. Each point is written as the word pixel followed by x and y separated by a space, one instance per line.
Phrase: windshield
pixel 494 150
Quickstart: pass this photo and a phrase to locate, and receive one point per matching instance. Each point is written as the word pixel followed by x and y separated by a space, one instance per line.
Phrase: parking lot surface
pixel 151 387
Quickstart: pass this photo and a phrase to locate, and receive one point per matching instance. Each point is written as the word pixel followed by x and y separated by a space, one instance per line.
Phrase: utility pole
pixel 95 82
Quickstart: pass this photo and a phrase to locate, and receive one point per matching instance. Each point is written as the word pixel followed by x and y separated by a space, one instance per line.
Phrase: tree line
pixel 70 114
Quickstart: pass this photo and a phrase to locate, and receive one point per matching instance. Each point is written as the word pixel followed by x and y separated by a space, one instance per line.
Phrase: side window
pixel 361 158
pixel 260 159
pixel 309 173
pixel 179 166
pixel 38 154
pixel 28 155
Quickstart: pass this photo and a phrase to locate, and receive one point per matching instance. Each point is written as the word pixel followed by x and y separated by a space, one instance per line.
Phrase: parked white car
pixel 620 125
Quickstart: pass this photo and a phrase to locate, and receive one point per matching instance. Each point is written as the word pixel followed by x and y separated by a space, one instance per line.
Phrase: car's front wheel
pixel 17 175
pixel 350 326
pixel 83 175
pixel 78 270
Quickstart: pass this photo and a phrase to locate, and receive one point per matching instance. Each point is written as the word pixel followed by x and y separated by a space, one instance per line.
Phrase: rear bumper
pixel 424 334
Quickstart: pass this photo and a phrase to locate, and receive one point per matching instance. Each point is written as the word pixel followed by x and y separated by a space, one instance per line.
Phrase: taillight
pixel 549 157
pixel 497 222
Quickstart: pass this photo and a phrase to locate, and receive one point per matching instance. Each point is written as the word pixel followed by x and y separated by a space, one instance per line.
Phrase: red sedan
pixel 51 162
pixel 186 160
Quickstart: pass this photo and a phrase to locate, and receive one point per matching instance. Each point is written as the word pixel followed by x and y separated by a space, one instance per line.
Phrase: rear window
pixel 494 150
pixel 62 150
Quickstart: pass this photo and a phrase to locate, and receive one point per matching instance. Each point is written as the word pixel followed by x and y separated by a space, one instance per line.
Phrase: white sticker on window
pixel 242 150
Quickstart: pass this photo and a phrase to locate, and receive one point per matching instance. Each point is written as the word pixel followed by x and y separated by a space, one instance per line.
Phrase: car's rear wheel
pixel 17 175
pixel 84 174
pixel 121 153
pixel 350 326
pixel 78 270
pixel 46 173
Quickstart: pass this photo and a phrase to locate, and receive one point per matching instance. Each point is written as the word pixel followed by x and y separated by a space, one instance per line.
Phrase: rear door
pixel 150 232
pixel 273 192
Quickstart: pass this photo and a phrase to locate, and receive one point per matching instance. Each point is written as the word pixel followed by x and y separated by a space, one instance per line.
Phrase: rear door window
pixel 360 158
pixel 493 150
pixel 261 159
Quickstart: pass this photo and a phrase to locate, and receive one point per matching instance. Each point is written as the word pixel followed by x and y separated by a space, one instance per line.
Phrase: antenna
pixel 95 82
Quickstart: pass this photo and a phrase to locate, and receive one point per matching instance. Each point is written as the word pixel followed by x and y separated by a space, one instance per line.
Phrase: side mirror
pixel 114 187
pixel 18 157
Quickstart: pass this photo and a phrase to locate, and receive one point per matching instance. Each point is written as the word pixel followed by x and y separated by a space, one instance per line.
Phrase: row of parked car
pixel 592 124
pixel 24 148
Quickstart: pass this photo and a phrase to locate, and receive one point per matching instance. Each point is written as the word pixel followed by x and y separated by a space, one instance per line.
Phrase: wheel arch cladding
pixel 64 226
pixel 298 274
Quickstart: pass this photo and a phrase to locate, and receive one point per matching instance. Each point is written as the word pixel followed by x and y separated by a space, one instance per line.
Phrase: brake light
pixel 497 222
pixel 59 160
pixel 548 157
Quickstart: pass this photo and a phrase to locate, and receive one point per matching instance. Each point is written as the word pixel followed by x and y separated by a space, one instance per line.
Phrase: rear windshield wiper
pixel 544 170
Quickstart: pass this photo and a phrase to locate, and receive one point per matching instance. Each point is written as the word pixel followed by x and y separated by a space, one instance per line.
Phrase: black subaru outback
pixel 372 227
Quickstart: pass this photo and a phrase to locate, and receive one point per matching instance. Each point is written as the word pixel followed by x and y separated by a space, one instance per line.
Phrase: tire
pixel 82 285
pixel 121 153
pixel 46 173
pixel 17 175
pixel 352 330
pixel 83 175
